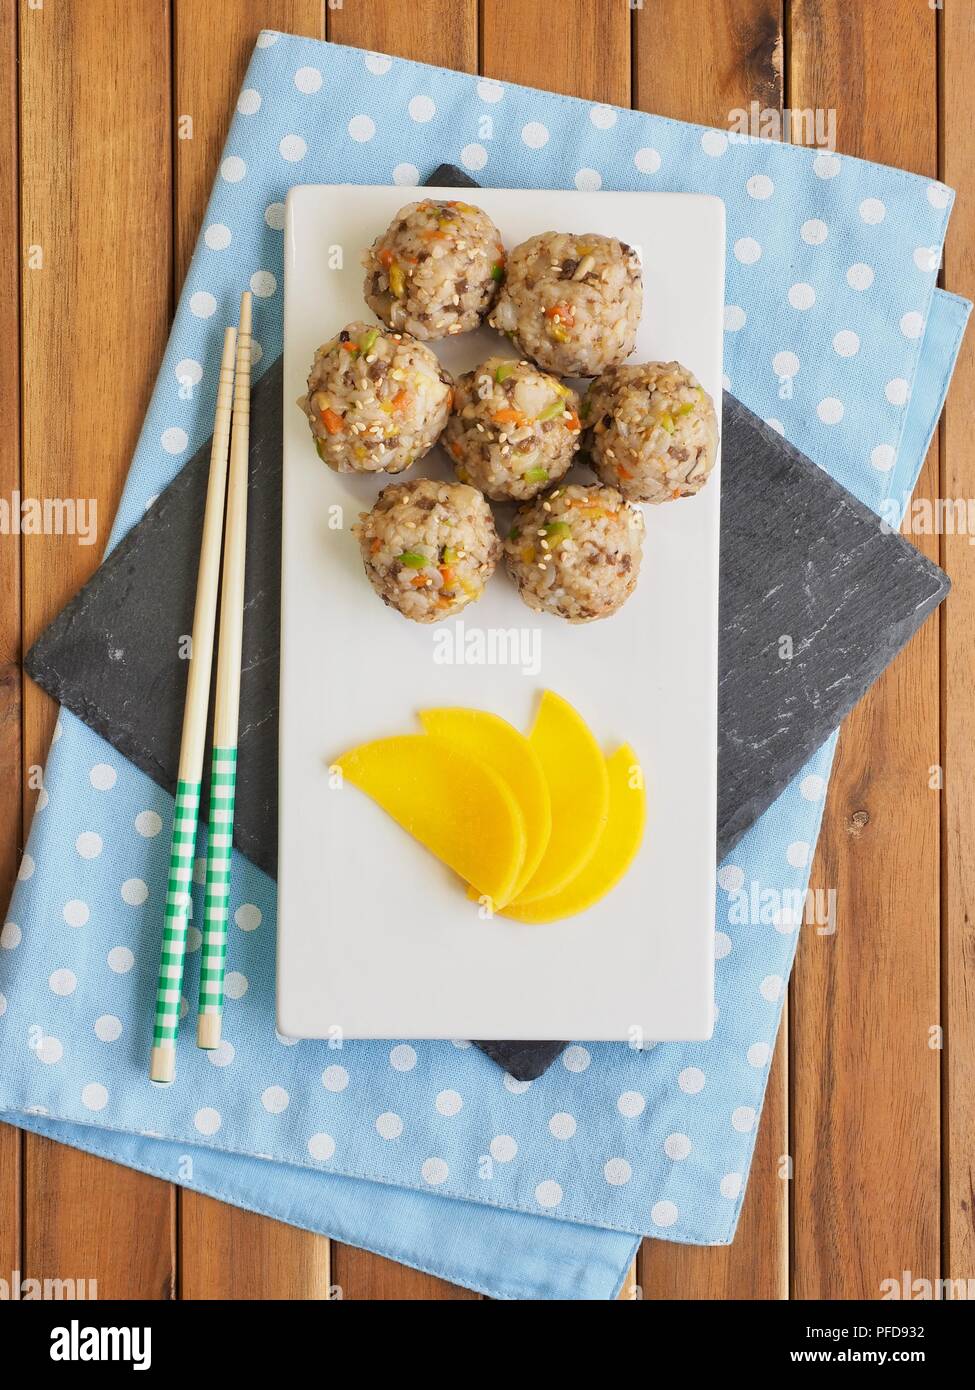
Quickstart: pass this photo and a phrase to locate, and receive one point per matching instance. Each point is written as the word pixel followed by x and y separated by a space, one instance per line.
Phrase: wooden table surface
pixel 864 1166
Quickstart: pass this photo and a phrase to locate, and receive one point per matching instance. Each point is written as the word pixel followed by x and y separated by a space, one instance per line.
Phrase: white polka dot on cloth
pixel 785 365
pixel 377 63
pixel 846 343
pixel 188 371
pixel 434 1171
pixel 826 165
pixel 883 457
pixel 813 787
pixel 647 160
pixel 406 175
pixel 248 917
pixel 233 169
pixel 102 777
pixel 714 143
pixel 321 1147
pixel 743 1119
pixel 747 250
pixel 108 1028
pixel 120 960
pixel 490 91
pixel 758 1054
pixel 148 824
pixel 76 912
pixel 801 295
pixel 814 231
pixel 362 128
pixel 203 304
pixel 938 195
pixel 873 211
pixel 631 1104
pixel 927 258
pixel 292 148
pixel 776 425
pixel 235 985
pixel 94 1096
pixel 575 1058
pixel 63 982
pixel 897 391
pixel 617 1172
pixel 548 1193
pixel 402 1057
pixel 263 283
pixel 49 1050
pixel 731 877
pixel 771 988
pixel 249 102
pixel 859 276
pixel 422 109
pixel 535 135
pixel 730 1186
pixel 88 844
pixel 218 236
pixel 308 80
pixel 722 945
pixel 602 117
pixel 194 939
pixel 449 1103
pixel 760 186
pixel 562 1126
pixel 275 1100
pixel 389 1125
pixel 266 38
pixel 503 1148
pixel 830 410
pixel 472 157
pixel 691 1080
pixel 335 1078
pixel 3 1005
pixel 274 215
pixel 677 1147
pixel 912 324
pixel 222 1055
pixel 588 180
pixel 207 1120
pixel 734 318
pixel 797 854
pixel 515 1087
pixel 134 892
pixel 664 1213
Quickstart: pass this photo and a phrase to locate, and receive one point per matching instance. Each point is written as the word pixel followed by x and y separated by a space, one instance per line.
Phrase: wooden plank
pixel 225 1252
pixel 427 31
pixel 430 32
pixel 721 54
pixel 10 680
pixel 865 1086
pixel 577 47
pixel 233 1254
pixel 958 669
pixel 95 160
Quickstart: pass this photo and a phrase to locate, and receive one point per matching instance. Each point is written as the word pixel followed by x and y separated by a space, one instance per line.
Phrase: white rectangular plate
pixel 375 937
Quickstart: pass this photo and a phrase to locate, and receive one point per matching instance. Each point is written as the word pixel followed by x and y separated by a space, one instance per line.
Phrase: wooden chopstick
pixel 223 772
pixel 190 774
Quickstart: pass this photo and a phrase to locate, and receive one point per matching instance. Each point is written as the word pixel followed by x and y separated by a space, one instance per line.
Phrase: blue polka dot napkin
pixel 425 1151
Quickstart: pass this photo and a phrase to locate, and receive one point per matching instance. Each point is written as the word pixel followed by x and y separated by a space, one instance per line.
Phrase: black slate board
pixel 800 557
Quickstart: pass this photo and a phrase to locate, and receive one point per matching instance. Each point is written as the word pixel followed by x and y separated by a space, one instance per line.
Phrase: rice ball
pixel 513 430
pixel 571 303
pixel 435 270
pixel 428 548
pixel 377 401
pixel 576 553
pixel 652 431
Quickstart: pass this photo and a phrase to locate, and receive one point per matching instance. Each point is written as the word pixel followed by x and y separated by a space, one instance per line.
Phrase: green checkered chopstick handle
pixel 216 910
pixel 178 907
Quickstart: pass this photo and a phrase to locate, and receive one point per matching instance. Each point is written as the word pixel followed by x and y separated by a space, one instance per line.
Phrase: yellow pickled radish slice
pixel 615 852
pixel 578 785
pixel 494 741
pixel 453 804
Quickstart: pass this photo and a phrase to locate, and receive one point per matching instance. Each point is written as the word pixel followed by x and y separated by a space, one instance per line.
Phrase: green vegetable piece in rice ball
pixel 576 552
pixel 571 303
pixel 435 271
pixel 514 429
pixel 377 400
pixel 428 547
pixel 652 431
